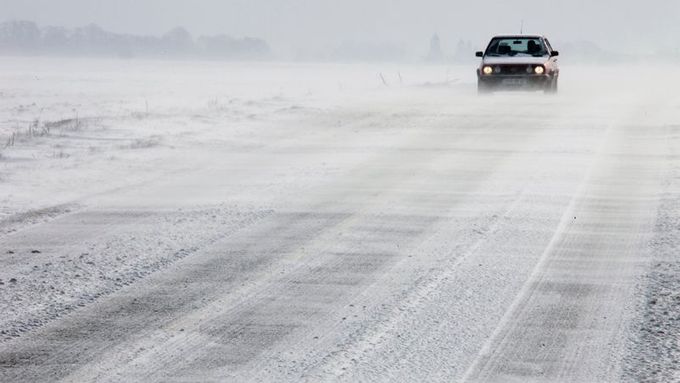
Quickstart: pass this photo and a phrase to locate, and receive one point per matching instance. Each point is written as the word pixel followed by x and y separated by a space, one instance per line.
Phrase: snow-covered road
pixel 342 231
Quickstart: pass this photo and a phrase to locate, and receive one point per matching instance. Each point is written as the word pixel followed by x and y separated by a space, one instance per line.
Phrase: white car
pixel 518 62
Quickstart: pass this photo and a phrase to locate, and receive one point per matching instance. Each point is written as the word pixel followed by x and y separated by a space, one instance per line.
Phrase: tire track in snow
pixel 568 322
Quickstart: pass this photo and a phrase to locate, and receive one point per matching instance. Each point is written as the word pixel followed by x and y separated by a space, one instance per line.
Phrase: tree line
pixel 26 37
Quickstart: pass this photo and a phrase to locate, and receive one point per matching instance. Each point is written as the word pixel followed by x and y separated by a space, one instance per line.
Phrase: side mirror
pixel 554 54
pixel 479 54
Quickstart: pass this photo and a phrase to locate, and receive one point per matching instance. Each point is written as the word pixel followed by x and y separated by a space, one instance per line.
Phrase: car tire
pixel 483 88
pixel 552 86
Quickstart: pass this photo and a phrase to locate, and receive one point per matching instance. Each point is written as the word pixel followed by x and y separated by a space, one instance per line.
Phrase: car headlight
pixel 487 70
pixel 539 69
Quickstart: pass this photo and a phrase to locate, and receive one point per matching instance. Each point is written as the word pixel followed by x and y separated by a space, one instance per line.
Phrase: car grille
pixel 514 69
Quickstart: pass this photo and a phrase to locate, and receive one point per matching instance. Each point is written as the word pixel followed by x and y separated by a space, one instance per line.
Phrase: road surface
pixel 396 237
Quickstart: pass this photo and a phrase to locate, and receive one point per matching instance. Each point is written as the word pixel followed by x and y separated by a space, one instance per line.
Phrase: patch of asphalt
pixel 56 284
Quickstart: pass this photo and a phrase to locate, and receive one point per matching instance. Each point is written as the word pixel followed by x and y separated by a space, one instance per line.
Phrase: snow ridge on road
pixel 69 263
pixel 654 349
pixel 15 222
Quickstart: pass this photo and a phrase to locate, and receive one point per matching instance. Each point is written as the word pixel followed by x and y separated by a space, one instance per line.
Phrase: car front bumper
pixel 515 81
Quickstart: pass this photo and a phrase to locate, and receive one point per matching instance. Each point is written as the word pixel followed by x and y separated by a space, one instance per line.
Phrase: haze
pixel 320 190
pixel 309 25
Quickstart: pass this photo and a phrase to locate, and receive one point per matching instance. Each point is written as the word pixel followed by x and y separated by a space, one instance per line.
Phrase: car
pixel 518 63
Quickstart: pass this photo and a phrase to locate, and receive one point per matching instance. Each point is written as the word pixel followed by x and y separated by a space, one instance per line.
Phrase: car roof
pixel 519 37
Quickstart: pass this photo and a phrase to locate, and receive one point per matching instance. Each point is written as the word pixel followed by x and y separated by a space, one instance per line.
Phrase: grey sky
pixel 630 25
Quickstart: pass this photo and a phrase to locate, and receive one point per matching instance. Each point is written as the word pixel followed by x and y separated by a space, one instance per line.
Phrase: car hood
pixel 515 60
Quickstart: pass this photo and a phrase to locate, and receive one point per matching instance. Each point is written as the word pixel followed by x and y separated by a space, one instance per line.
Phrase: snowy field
pixel 206 221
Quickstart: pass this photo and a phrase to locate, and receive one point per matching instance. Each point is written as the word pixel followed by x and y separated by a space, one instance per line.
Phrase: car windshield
pixel 522 46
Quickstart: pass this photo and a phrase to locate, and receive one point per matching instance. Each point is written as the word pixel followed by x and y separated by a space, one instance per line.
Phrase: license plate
pixel 514 82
